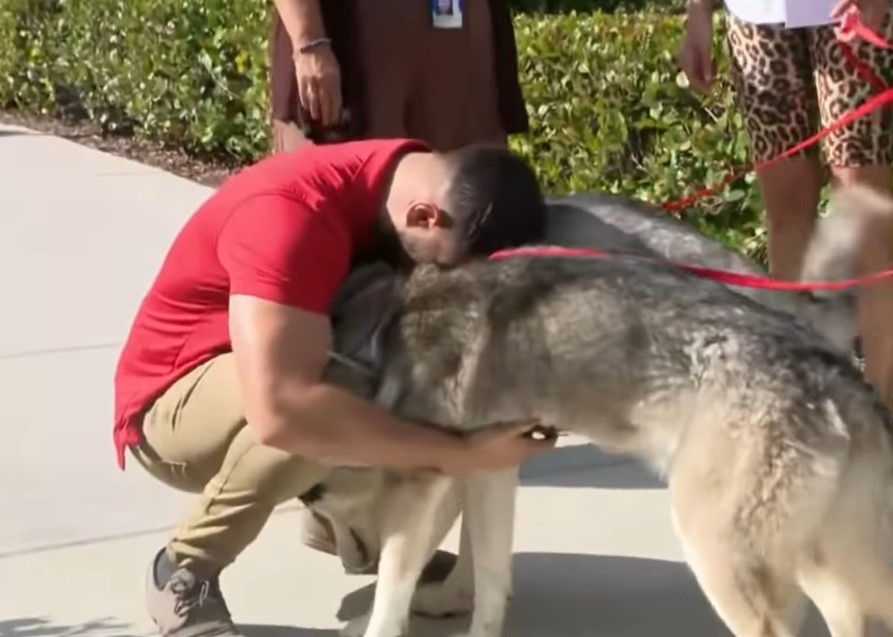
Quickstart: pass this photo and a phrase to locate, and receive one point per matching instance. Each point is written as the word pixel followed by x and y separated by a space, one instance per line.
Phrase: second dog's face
pixel 351 501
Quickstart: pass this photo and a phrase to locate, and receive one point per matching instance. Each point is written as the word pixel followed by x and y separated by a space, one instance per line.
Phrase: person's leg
pixel 862 153
pixel 772 73
pixel 287 136
pixel 195 438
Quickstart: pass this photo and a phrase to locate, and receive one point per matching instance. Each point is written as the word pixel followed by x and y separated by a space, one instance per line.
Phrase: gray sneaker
pixel 186 606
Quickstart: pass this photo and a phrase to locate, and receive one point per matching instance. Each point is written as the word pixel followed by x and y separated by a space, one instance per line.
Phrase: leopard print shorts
pixel 788 81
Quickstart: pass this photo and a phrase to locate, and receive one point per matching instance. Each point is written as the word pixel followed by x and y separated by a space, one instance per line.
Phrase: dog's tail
pixel 859 216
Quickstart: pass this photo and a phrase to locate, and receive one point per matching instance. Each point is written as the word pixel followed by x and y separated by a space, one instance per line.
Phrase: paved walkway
pixel 81 234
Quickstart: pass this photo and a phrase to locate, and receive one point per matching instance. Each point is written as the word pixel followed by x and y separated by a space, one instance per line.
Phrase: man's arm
pixel 281 353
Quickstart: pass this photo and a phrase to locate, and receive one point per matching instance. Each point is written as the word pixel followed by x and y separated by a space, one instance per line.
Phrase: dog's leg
pixel 837 602
pixel 490 517
pixel 847 572
pixel 406 533
pixel 750 598
pixel 455 595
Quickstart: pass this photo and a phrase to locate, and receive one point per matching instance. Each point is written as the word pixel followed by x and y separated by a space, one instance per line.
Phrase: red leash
pixel 850 27
pixel 722 276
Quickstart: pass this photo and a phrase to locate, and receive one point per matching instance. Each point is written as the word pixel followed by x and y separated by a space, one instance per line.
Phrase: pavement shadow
pixel 585 466
pixel 268 630
pixel 576 595
pixel 13 132
pixel 43 627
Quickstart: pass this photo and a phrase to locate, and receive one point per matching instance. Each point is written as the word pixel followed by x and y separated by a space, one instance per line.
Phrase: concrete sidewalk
pixel 81 235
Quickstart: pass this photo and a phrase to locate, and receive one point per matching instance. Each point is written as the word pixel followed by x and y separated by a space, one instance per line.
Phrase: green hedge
pixel 609 110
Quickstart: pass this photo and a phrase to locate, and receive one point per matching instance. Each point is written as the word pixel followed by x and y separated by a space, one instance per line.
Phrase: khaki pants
pixel 196 439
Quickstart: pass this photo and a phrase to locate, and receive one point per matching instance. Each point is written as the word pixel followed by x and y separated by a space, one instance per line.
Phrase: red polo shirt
pixel 285 229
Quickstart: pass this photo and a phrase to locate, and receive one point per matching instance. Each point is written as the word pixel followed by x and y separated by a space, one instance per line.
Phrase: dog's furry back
pixel 534 330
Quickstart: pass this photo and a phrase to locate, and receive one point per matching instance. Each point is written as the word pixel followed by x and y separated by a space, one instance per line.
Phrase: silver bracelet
pixel 314 44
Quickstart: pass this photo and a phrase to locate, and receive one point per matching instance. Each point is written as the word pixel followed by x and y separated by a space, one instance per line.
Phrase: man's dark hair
pixel 494 199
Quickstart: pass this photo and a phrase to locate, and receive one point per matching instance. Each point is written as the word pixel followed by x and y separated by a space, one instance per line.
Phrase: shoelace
pixel 192 595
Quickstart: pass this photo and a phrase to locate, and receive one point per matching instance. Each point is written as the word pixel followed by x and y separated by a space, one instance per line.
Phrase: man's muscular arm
pixel 281 353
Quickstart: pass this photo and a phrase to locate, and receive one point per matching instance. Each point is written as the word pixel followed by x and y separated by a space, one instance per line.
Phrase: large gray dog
pixel 777 453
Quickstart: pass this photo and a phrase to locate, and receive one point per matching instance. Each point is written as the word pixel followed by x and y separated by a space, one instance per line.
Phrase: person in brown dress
pixel 359 69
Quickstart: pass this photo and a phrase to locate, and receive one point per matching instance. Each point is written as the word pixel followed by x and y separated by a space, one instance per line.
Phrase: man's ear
pixel 423 214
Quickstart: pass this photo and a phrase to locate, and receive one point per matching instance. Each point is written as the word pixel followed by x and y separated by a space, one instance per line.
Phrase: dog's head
pixel 350 500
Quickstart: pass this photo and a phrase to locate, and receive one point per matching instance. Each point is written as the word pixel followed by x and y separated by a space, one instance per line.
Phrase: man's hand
pixel 696 53
pixel 871 13
pixel 319 84
pixel 499 447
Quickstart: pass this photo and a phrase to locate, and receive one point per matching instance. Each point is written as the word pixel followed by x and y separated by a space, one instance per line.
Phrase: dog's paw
pixel 442 600
pixel 356 627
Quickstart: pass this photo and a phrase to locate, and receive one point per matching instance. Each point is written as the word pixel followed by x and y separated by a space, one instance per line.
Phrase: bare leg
pixel 790 192
pixel 407 529
pixel 287 137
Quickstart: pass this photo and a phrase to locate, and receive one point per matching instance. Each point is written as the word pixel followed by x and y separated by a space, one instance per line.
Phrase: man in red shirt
pixel 218 387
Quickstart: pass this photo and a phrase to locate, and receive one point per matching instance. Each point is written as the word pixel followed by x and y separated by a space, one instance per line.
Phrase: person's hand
pixel 871 13
pixel 501 446
pixel 696 53
pixel 319 84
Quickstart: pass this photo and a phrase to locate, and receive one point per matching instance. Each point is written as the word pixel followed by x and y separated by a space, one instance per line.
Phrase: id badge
pixel 446 14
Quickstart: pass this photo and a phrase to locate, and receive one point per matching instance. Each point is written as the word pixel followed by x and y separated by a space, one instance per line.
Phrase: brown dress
pixel 401 77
